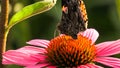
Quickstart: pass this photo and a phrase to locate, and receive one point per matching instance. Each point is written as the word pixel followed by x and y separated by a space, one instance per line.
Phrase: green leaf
pixel 31 10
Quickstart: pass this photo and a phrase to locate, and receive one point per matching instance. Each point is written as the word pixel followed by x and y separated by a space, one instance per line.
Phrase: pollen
pixel 64 51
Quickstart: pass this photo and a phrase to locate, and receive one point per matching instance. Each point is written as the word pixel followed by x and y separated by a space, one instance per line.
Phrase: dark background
pixel 103 16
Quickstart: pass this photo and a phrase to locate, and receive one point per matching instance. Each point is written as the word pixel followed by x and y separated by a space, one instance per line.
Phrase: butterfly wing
pixel 83 13
pixel 73 17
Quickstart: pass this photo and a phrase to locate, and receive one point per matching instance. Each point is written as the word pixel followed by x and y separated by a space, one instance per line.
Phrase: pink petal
pixel 108 48
pixel 91 34
pixel 40 58
pixel 38 66
pixel 19 57
pixel 83 66
pixel 31 50
pixel 89 66
pixel 39 42
pixel 109 61
pixel 93 66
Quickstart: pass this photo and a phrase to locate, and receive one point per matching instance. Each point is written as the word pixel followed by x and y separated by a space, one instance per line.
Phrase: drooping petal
pixel 91 34
pixel 31 50
pixel 23 56
pixel 39 42
pixel 93 66
pixel 108 48
pixel 109 61
pixel 89 66
pixel 83 66
pixel 38 66
pixel 18 58
pixel 40 58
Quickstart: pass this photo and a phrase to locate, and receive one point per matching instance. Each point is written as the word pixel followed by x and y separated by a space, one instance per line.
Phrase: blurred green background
pixel 104 16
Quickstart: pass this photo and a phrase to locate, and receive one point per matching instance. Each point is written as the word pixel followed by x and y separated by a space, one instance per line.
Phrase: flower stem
pixel 118 7
pixel 3 25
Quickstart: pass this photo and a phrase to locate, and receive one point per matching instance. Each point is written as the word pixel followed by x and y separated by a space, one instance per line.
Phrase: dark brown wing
pixel 74 17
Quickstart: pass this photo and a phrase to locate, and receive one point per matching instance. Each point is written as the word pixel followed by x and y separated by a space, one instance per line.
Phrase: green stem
pixel 118 7
pixel 3 25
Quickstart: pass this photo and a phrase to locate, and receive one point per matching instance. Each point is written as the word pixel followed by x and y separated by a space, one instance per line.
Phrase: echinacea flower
pixel 65 52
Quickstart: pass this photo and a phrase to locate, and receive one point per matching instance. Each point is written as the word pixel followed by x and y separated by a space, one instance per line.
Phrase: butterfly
pixel 74 17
